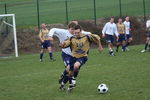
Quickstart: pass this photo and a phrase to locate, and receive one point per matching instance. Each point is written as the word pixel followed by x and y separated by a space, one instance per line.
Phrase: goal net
pixel 8 38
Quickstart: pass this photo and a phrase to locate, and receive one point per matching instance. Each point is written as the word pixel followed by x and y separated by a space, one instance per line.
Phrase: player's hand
pixel 61 44
pixel 103 36
pixel 100 49
pixel 42 41
pixel 50 38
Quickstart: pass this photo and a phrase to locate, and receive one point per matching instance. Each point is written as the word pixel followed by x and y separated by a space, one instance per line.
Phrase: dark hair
pixel 78 27
pixel 71 25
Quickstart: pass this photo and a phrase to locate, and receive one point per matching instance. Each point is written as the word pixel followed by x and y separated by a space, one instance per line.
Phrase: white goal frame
pixel 14 30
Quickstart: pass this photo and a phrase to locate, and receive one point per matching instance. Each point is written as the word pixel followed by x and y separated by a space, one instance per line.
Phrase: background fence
pixel 35 12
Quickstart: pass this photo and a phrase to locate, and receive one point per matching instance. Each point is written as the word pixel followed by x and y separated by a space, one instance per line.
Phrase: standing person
pixel 62 35
pixel 147 44
pixel 121 37
pixel 80 45
pixel 128 34
pixel 108 32
pixel 45 42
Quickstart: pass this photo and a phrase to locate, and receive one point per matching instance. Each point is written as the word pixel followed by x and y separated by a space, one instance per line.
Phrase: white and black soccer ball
pixel 102 88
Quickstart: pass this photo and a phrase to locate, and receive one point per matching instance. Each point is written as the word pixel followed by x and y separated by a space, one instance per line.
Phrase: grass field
pixel 53 11
pixel 127 75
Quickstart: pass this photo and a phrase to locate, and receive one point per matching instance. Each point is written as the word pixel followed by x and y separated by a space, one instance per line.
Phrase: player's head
pixel 43 26
pixel 77 30
pixel 127 18
pixel 120 20
pixel 112 19
pixel 71 27
pixel 74 21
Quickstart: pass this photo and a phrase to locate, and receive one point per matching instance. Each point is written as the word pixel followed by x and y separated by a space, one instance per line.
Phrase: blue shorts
pixel 109 38
pixel 81 60
pixel 148 34
pixel 128 36
pixel 66 58
pixel 122 37
pixel 46 44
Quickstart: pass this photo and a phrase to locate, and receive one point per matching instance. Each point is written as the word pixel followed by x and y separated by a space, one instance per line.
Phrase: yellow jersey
pixel 80 46
pixel 121 28
pixel 43 34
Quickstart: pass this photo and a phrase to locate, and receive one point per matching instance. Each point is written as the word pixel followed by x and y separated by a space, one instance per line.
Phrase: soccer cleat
pixel 40 60
pixel 62 88
pixel 143 51
pixel 71 87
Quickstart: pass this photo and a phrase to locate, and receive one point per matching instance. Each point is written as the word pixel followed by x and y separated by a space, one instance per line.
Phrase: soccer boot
pixel 71 87
pixel 143 51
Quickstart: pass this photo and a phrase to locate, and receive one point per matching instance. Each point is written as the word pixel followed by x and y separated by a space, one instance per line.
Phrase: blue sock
pixel 51 55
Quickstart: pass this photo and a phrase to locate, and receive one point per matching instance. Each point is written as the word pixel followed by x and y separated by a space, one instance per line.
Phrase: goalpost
pixel 12 24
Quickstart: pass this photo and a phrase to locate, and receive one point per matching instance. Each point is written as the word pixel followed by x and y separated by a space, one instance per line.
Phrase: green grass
pixel 127 75
pixel 53 11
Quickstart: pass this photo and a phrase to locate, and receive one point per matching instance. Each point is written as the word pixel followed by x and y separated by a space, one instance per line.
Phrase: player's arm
pixel 116 31
pixel 96 39
pixel 85 32
pixel 104 30
pixel 40 36
pixel 148 25
pixel 65 44
pixel 56 32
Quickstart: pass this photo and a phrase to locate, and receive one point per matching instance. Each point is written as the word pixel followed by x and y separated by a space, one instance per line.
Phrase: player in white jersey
pixel 147 44
pixel 128 34
pixel 108 33
pixel 62 35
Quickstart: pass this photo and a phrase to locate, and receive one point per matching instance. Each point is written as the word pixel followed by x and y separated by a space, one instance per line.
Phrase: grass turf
pixel 127 76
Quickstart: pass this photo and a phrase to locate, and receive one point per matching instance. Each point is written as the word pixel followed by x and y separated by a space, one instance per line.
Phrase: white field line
pixel 38 73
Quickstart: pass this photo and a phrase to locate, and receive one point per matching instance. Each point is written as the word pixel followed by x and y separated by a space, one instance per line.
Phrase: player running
pixel 45 42
pixel 62 35
pixel 79 45
pixel 121 37
pixel 148 36
pixel 108 32
pixel 128 34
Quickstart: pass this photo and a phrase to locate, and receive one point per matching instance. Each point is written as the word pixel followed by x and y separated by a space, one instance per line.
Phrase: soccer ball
pixel 102 88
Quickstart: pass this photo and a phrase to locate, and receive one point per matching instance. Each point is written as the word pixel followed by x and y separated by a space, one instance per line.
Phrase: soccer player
pixel 79 45
pixel 45 42
pixel 148 36
pixel 128 34
pixel 62 35
pixel 121 37
pixel 108 32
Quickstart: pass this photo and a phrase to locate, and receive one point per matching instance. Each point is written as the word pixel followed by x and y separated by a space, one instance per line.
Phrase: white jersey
pixel 62 35
pixel 127 26
pixel 110 29
pixel 148 24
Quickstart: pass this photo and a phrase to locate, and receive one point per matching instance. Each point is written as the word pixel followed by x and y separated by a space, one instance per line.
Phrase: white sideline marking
pixel 31 74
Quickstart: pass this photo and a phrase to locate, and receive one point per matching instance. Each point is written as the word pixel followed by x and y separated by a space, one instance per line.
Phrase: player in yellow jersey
pixel 80 45
pixel 45 42
pixel 121 31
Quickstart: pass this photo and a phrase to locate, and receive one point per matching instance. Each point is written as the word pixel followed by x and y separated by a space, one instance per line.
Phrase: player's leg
pixel 109 41
pixel 128 41
pixel 146 45
pixel 42 52
pixel 118 44
pixel 79 62
pixel 49 47
pixel 123 43
pixel 66 61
